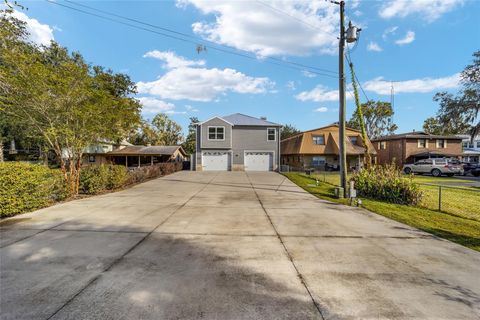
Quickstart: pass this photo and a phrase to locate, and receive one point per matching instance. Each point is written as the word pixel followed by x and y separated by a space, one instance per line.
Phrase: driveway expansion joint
pixel 287 253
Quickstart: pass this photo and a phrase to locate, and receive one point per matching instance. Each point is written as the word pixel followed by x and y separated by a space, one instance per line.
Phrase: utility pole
pixel 349 36
pixel 342 108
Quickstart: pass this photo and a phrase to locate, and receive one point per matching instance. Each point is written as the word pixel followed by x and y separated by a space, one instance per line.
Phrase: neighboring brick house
pixel 319 149
pixel 413 146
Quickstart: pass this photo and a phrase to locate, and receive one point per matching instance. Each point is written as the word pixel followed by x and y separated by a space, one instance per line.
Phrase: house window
pixel 319 139
pixel 382 145
pixel 440 143
pixel 318 161
pixel 353 139
pixel 271 134
pixel 91 158
pixel 216 133
pixel 422 143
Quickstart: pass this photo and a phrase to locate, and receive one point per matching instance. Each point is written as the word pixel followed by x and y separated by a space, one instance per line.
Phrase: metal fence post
pixel 439 198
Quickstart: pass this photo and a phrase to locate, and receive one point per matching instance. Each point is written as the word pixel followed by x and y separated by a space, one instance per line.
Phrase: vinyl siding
pixel 252 138
pixel 212 144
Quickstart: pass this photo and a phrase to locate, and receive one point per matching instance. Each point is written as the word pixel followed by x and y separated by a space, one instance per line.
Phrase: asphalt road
pixel 227 245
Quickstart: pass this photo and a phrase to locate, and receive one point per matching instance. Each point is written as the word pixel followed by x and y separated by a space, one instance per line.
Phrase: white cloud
pixel 380 86
pixel 201 84
pixel 153 105
pixel 267 28
pixel 308 74
pixel 183 81
pixel 291 85
pixel 409 38
pixel 429 10
pixel 389 31
pixel 354 4
pixel 190 108
pixel 373 46
pixel 320 94
pixel 171 60
pixel 321 109
pixel 39 33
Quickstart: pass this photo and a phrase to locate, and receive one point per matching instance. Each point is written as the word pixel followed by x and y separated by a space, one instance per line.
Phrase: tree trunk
pixel 1 150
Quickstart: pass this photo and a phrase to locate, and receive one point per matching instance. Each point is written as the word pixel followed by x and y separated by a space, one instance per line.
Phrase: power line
pixel 316 28
pixel 349 59
pixel 181 37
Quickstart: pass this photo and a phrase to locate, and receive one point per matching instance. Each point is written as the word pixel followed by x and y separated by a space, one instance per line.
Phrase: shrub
pixel 387 183
pixel 95 179
pixel 118 177
pixel 148 172
pixel 26 187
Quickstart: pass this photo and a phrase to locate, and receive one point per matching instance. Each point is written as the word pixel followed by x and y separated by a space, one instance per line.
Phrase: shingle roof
pixel 146 150
pixel 416 135
pixel 238 119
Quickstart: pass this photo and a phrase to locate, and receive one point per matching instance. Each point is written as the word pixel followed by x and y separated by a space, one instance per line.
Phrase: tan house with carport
pixel 138 156
pixel 417 145
pixel 319 149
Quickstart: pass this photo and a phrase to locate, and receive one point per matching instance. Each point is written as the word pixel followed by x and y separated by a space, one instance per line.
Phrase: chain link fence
pixel 463 201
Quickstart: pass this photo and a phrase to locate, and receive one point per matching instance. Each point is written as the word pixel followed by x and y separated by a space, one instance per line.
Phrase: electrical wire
pixel 349 59
pixel 316 28
pixel 181 37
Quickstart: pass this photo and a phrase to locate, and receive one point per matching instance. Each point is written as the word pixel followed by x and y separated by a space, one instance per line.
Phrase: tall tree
pixel 460 112
pixel 378 117
pixel 60 97
pixel 189 144
pixel 166 131
pixel 288 131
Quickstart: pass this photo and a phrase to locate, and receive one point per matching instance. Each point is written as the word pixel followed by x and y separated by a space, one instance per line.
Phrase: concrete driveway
pixel 227 245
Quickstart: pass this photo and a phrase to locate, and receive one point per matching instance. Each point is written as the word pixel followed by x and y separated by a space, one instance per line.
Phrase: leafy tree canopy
pixel 288 131
pixel 378 117
pixel 61 98
pixel 459 113
pixel 189 144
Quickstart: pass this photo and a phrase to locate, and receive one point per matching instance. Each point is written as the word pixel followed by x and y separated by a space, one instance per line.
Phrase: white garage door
pixel 258 161
pixel 215 161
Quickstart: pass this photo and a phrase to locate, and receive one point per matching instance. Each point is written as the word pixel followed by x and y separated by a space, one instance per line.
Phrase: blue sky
pixel 421 45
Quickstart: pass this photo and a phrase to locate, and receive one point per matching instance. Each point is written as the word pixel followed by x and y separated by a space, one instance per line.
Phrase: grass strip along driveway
pixel 462 229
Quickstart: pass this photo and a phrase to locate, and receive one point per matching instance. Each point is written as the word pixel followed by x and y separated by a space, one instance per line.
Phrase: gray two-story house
pixel 237 142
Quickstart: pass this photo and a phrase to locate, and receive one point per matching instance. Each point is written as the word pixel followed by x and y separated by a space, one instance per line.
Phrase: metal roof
pixel 146 150
pixel 238 119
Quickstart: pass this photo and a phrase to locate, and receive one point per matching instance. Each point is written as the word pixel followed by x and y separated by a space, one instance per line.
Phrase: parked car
pixel 471 167
pixel 436 167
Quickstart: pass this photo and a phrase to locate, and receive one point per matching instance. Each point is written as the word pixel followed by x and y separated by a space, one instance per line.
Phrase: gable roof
pixel 147 150
pixel 239 119
pixel 216 117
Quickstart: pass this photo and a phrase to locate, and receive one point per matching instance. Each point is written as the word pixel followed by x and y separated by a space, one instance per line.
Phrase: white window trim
pixel 208 133
pixel 318 136
pixel 425 143
pixel 444 143
pixel 274 133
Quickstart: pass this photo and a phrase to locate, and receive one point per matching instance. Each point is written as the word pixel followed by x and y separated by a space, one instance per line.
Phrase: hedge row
pixel 26 187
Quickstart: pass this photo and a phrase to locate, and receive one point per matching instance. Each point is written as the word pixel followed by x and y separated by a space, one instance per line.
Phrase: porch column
pixel 151 160
pixel 139 161
pixel 126 161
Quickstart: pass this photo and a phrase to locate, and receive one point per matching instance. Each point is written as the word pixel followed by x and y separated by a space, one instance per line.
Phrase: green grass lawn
pixel 460 201
pixel 461 229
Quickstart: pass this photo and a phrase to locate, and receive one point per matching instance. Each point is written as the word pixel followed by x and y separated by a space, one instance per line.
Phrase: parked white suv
pixel 436 167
